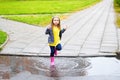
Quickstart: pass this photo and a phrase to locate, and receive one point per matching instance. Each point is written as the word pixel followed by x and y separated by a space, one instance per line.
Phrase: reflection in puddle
pixel 13 67
pixel 53 71
pixel 4 68
pixel 104 66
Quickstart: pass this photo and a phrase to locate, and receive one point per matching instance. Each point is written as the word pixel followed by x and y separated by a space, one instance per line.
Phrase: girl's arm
pixel 63 30
pixel 47 31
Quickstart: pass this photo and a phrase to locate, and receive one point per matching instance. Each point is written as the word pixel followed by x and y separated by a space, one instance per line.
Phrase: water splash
pixel 63 66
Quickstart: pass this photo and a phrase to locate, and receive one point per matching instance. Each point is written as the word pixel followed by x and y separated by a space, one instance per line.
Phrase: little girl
pixel 55 34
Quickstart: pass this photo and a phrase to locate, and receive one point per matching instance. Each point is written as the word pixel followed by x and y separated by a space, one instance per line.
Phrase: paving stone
pixel 89 51
pixel 32 50
pixel 24 41
pixel 94 39
pixel 108 49
pixel 92 42
pixel 37 45
pixel 93 46
pixel 17 45
pixel 110 38
pixel 66 52
pixel 45 50
pixel 109 45
pixel 11 50
pixel 72 47
pixel 74 42
pixel 109 42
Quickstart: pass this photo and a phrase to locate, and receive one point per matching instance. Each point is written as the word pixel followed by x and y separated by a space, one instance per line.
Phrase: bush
pixel 118 2
pixel 117 10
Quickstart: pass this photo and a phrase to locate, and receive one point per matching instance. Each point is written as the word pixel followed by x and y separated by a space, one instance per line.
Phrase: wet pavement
pixel 38 68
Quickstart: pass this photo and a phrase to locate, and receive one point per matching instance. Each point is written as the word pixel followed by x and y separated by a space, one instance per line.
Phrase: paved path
pixel 92 32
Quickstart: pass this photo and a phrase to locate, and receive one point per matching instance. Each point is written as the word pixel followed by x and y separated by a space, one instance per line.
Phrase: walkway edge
pixel 46 55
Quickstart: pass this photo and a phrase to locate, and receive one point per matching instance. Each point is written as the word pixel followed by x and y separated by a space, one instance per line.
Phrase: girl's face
pixel 56 21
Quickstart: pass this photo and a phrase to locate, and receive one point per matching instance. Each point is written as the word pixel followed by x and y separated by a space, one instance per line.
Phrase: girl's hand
pixel 65 27
pixel 49 27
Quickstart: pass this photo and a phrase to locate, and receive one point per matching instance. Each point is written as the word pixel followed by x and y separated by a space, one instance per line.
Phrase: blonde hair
pixel 52 24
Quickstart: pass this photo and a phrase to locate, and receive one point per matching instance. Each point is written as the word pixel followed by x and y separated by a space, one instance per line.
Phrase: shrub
pixel 118 2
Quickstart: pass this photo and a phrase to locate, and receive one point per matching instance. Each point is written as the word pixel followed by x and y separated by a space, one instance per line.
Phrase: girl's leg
pixel 52 48
pixel 58 47
pixel 55 52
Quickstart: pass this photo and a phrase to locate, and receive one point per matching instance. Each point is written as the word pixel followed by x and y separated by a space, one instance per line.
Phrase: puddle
pixel 14 67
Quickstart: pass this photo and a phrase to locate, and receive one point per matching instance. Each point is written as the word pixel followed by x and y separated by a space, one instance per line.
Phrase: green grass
pixel 117 10
pixel 42 7
pixel 38 20
pixel 3 37
pixel 40 12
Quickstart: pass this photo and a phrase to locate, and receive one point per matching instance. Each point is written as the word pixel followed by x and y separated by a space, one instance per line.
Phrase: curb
pixel 38 55
pixel 7 39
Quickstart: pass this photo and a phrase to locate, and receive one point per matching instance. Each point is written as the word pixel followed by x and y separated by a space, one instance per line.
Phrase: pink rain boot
pixel 52 60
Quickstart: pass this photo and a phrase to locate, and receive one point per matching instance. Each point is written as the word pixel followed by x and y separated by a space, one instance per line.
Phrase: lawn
pixel 3 37
pixel 39 12
pixel 117 10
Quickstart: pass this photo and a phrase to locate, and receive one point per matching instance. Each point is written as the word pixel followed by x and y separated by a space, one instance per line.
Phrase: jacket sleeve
pixel 47 31
pixel 61 31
